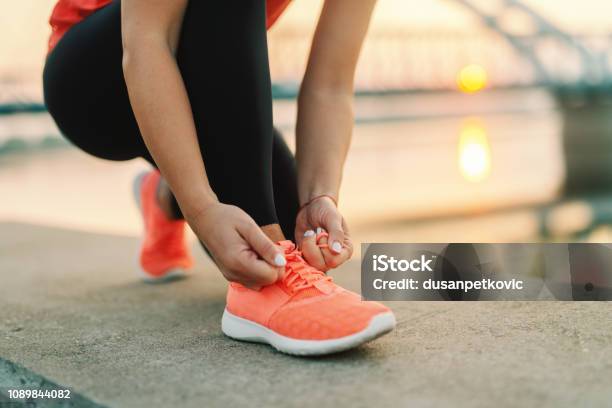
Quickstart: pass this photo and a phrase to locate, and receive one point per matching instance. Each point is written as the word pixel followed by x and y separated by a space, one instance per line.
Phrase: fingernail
pixel 280 260
pixel 319 230
pixel 309 233
pixel 337 246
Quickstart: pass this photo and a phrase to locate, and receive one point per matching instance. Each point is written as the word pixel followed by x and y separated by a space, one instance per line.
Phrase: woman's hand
pixel 322 213
pixel 243 253
pixel 325 124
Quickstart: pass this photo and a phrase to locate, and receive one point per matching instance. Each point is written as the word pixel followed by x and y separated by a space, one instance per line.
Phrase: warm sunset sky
pixel 23 23
pixel 578 15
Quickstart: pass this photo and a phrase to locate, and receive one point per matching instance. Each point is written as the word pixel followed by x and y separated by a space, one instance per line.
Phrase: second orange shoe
pixel 164 254
pixel 305 313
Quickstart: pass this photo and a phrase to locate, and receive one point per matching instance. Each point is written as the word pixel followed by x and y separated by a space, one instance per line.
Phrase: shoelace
pixel 324 234
pixel 299 274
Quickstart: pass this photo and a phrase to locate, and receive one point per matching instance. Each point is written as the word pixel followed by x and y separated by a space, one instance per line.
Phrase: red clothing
pixel 70 12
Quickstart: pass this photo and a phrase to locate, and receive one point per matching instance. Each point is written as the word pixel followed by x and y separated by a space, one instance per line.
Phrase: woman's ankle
pixel 274 232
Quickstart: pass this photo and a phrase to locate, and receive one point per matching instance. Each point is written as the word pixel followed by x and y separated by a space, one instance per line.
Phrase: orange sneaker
pixel 164 255
pixel 305 313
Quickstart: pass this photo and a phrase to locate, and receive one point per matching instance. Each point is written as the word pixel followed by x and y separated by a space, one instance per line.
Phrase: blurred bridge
pixel 517 46
pixel 581 81
pixel 533 36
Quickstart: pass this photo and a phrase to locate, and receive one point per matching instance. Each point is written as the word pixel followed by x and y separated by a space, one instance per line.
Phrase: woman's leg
pixel 284 180
pixel 85 91
pixel 223 59
pixel 284 183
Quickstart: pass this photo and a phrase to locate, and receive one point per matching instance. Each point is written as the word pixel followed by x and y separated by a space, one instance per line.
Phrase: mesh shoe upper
pixel 306 304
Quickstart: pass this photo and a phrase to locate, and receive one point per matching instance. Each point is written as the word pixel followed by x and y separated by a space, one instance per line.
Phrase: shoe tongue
pixel 320 284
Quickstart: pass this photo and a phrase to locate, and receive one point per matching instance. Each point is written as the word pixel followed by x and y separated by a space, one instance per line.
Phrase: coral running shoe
pixel 304 313
pixel 164 255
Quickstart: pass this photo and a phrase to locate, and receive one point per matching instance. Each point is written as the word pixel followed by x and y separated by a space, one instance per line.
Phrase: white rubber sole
pixel 246 330
pixel 170 275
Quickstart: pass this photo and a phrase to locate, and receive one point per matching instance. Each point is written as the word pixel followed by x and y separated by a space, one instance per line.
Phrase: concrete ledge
pixel 73 311
pixel 14 376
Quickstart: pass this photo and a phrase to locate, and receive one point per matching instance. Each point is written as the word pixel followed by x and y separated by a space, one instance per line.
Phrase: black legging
pixel 223 59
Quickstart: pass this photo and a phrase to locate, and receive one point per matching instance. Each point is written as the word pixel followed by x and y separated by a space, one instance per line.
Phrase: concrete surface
pixel 73 311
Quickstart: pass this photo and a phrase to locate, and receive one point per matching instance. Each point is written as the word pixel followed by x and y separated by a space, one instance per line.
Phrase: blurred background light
pixel 472 78
pixel 545 66
pixel 474 152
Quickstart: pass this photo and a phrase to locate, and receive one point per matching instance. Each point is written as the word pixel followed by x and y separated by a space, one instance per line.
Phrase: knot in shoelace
pixel 299 274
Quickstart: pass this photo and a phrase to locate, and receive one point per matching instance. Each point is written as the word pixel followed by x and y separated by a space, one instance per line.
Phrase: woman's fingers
pixel 247 268
pixel 262 245
pixel 260 273
pixel 336 234
pixel 330 257
pixel 241 250
pixel 311 252
pixel 317 252
pixel 348 243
